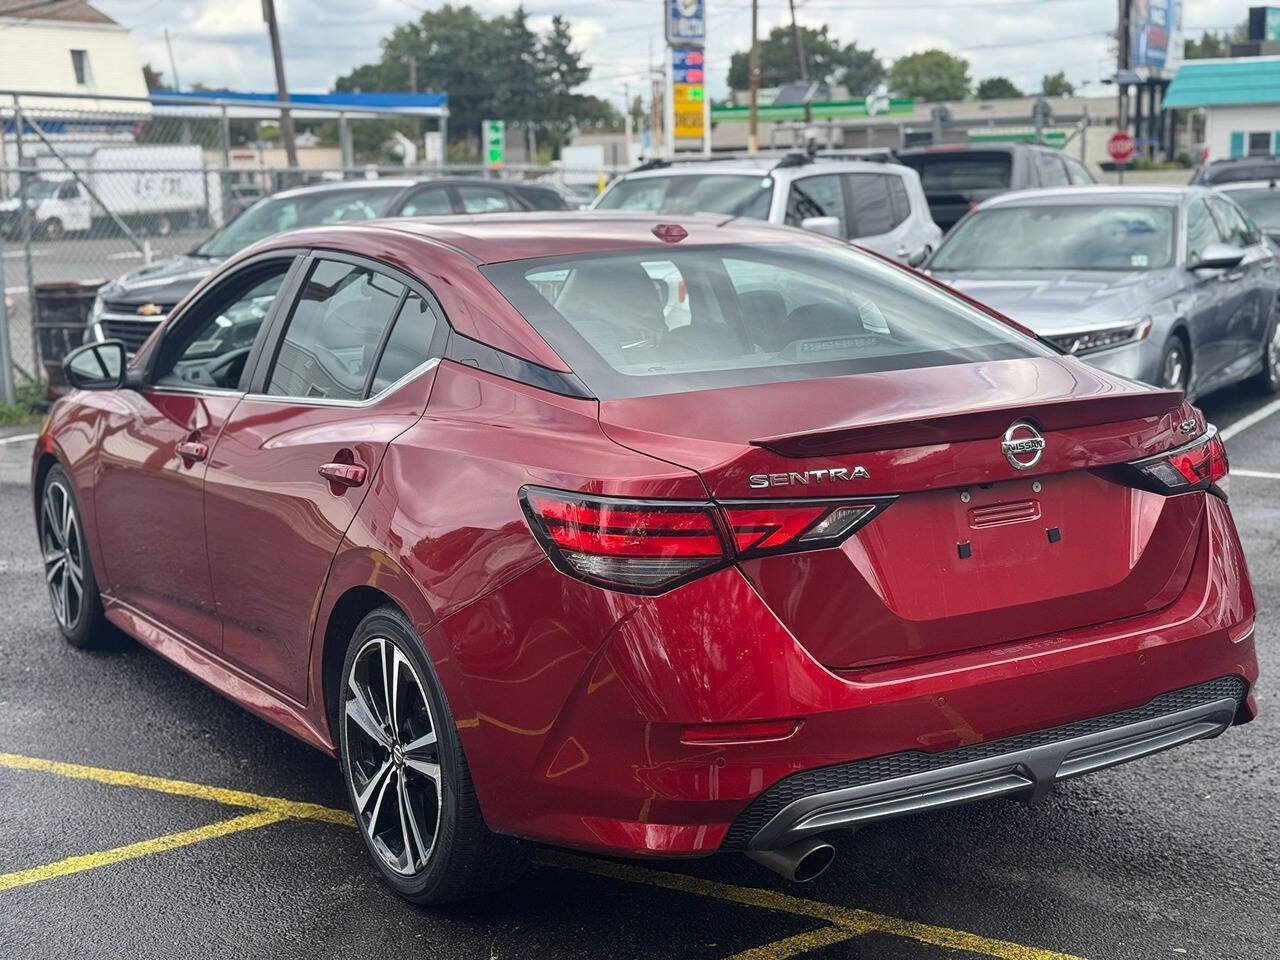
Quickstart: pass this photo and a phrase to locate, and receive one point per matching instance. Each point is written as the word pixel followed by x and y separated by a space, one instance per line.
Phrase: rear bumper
pixel 854 794
pixel 574 704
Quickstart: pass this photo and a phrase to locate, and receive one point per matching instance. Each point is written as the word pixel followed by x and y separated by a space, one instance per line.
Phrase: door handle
pixel 343 474
pixel 193 451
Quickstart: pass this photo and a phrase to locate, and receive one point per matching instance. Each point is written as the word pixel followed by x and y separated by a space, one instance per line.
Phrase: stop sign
pixel 1120 146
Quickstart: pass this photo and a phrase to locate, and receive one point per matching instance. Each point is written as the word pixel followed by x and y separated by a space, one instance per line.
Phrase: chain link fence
pixel 92 189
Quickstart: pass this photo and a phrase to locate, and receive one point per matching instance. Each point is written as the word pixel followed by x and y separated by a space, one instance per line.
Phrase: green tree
pixel 1212 44
pixel 930 75
pixel 825 59
pixel 863 70
pixel 153 78
pixel 1056 85
pixel 997 88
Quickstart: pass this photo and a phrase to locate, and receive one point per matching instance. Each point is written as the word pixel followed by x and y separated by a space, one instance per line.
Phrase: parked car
pixel 1169 285
pixel 956 178
pixel 152 188
pixel 454 502
pixel 1260 201
pixel 876 205
pixel 1236 169
pixel 130 307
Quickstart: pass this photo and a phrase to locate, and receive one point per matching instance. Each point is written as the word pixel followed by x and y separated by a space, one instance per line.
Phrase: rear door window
pixel 872 204
pixel 485 200
pixel 409 345
pixel 432 201
pixel 821 196
pixel 1077 172
pixel 333 334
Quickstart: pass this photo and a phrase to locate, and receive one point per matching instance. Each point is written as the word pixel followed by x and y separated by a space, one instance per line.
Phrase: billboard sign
pixel 689 110
pixel 686 65
pixel 1155 35
pixel 686 23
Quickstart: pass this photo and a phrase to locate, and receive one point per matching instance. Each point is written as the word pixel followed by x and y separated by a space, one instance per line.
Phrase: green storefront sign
pixel 822 110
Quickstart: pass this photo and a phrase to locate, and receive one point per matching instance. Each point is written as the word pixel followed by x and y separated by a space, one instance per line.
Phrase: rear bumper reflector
pixel 881 788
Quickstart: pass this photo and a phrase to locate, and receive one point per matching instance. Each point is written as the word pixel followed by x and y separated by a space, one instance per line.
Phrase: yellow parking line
pixel 794 946
pixel 854 922
pixel 181 788
pixel 89 861
pixel 841 923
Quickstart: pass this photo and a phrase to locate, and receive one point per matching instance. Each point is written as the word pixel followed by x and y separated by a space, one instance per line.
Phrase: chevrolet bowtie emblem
pixel 149 310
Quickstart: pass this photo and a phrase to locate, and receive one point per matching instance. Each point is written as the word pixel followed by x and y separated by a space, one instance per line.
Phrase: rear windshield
pixel 1240 172
pixel 949 172
pixel 1073 236
pixel 663 321
pixel 737 196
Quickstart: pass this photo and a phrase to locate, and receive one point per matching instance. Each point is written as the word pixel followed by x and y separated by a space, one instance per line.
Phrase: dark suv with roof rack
pixel 956 178
pixel 1237 170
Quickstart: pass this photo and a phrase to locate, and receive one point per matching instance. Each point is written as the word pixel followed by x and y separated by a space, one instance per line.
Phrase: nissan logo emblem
pixel 1022 445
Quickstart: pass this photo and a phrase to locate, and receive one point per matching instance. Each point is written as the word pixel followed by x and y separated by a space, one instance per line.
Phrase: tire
pixel 1267 382
pixel 380 766
pixel 64 550
pixel 52 229
pixel 1175 365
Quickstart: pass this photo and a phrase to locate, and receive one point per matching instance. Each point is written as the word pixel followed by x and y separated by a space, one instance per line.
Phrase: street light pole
pixel 282 88
pixel 753 143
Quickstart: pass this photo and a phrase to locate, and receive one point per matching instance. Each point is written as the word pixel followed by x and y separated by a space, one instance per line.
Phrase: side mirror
pixel 919 257
pixel 96 366
pixel 1219 256
pixel 827 226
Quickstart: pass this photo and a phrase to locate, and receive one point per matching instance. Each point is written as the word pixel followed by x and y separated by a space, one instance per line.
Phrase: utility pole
pixel 626 121
pixel 282 88
pixel 753 141
pixel 1122 64
pixel 173 64
pixel 795 32
pixel 412 62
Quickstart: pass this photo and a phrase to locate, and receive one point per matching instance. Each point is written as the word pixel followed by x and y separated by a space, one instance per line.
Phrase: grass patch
pixel 27 408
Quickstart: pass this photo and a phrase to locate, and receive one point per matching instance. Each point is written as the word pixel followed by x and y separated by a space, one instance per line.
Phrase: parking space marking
pixel 21 438
pixel 795 946
pixel 839 923
pixel 849 920
pixel 181 788
pixel 1257 474
pixel 1244 423
pixel 103 858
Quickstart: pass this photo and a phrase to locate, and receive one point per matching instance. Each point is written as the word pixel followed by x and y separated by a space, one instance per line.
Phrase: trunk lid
pixel 973 551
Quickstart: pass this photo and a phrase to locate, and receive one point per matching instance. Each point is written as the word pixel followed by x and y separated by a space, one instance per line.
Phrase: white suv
pixel 877 205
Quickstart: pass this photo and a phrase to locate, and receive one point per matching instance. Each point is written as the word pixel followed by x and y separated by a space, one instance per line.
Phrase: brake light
pixel 648 546
pixel 1197 465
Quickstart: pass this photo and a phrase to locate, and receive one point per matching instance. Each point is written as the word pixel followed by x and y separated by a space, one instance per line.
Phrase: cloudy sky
pixel 223 43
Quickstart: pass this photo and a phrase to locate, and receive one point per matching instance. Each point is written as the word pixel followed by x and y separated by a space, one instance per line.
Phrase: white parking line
pixel 1244 423
pixel 1259 474
pixel 20 438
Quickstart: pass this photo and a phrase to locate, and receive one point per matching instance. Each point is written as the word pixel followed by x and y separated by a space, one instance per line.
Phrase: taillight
pixel 762 527
pixel 1197 465
pixel 648 546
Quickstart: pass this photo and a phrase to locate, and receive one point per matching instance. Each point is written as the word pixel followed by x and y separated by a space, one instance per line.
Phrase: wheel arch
pixel 350 608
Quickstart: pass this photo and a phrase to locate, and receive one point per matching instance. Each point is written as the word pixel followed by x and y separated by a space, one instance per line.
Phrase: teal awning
pixel 1224 83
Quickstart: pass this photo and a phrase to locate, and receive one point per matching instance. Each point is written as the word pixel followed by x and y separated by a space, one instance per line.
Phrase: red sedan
pixel 645 538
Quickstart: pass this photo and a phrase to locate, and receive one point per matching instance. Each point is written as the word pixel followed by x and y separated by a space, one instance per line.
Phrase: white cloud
pixel 223 43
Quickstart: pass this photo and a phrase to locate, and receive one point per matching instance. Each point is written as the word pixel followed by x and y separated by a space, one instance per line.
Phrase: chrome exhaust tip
pixel 799 862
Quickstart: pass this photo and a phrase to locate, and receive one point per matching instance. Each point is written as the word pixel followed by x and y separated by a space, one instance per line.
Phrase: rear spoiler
pixel 1049 415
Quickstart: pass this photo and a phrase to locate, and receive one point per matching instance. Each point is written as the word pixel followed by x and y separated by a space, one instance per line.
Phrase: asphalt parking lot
pixel 144 816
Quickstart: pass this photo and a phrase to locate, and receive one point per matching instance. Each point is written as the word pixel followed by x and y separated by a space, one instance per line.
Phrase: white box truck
pixel 153 188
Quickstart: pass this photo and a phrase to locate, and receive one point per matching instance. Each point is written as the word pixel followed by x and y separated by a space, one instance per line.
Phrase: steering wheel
pixel 213 375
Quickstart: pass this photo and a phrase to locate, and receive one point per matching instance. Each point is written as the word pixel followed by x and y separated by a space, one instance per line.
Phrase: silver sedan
pixel 1174 286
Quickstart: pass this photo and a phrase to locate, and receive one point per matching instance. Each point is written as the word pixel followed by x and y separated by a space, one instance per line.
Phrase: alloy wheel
pixel 1175 367
pixel 393 756
pixel 63 550
pixel 1273 354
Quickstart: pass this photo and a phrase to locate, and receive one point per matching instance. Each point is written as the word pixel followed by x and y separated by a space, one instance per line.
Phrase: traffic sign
pixel 686 23
pixel 1121 147
pixel 493 142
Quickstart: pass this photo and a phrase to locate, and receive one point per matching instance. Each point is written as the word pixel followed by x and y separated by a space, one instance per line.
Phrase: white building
pixel 66 46
pixel 1240 99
